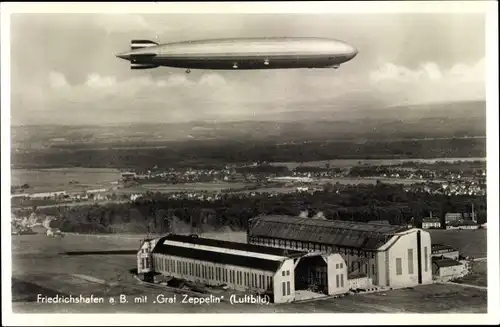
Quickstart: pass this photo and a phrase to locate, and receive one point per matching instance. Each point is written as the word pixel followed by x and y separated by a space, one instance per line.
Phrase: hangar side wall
pixel 284 282
pixel 401 264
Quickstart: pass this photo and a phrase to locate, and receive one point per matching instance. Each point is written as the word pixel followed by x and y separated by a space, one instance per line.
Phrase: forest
pixel 156 213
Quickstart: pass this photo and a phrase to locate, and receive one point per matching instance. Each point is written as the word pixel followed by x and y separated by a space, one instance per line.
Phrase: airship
pixel 240 53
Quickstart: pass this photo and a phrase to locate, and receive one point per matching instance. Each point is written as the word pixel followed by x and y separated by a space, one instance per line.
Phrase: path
pixel 484 288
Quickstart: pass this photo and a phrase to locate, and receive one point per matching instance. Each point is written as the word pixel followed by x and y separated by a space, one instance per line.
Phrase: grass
pixel 469 242
pixel 40 265
pixel 478 276
pixel 58 179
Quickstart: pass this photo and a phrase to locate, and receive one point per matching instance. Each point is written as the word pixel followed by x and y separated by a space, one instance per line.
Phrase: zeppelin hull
pixel 270 53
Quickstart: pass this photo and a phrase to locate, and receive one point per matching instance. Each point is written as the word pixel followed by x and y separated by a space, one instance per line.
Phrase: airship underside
pixel 256 53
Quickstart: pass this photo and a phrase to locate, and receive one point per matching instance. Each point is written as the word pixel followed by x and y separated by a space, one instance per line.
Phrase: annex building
pixel 243 267
pixel 389 255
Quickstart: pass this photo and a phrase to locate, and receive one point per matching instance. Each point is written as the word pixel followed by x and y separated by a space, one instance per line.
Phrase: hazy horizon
pixel 404 59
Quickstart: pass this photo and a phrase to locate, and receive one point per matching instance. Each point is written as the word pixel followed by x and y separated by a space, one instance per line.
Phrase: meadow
pixel 64 179
pixel 471 243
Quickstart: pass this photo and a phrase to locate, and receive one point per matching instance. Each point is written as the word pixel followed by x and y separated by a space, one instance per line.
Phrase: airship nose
pixel 124 55
pixel 351 51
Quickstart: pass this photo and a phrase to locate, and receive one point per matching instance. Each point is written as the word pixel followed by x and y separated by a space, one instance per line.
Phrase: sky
pixel 64 69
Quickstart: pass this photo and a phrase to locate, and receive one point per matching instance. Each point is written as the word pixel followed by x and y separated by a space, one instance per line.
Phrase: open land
pixel 42 265
pixel 471 243
pixel 63 179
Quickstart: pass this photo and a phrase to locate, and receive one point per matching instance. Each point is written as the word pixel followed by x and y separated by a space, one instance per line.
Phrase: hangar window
pixel 342 280
pixel 399 268
pixel 283 286
pixel 410 261
pixel 338 281
pixel 425 258
pixel 288 288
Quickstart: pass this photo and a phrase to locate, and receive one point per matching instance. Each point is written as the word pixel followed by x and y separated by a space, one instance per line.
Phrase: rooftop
pixel 218 257
pixel 335 232
pixel 431 220
pixel 442 263
pixel 208 242
pixel 463 222
pixel 442 247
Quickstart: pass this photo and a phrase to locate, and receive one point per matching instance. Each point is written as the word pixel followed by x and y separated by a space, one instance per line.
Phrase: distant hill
pixel 443 120
pixel 450 110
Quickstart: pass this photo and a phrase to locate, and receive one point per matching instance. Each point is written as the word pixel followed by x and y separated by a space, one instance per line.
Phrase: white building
pixel 47 194
pixel 392 256
pixel 242 267
pixel 447 269
pixel 431 223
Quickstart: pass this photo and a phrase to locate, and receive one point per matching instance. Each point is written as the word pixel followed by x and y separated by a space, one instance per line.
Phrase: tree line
pixel 158 213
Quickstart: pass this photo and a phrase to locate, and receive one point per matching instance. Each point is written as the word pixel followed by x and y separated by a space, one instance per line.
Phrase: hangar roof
pixel 218 257
pixel 335 232
pixel 193 239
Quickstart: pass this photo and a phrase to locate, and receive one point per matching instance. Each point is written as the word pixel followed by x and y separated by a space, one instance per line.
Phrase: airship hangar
pixel 240 53
pixel 287 255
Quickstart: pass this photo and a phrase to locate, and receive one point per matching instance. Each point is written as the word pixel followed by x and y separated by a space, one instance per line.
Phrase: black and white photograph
pixel 252 159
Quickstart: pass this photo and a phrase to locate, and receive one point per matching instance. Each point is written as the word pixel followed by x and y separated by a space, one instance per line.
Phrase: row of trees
pixel 157 213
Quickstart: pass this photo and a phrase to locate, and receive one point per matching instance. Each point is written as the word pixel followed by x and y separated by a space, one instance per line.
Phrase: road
pixel 469 285
pixel 73 204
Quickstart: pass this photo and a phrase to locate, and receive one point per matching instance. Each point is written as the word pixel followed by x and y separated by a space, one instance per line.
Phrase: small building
pixel 446 251
pixel 359 281
pixel 243 267
pixel 463 224
pixel 126 176
pixel 450 217
pixel 428 223
pixel 447 269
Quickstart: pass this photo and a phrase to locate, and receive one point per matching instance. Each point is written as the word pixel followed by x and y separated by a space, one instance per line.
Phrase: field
pixel 172 188
pixel 344 163
pixel 41 265
pixel 470 242
pixel 49 180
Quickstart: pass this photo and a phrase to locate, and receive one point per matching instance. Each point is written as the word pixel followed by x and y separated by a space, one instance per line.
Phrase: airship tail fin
pixel 139 44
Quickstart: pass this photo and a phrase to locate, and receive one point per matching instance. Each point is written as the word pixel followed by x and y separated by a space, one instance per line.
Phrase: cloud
pixel 94 80
pixel 428 72
pixel 429 82
pixel 123 23
pixel 57 80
